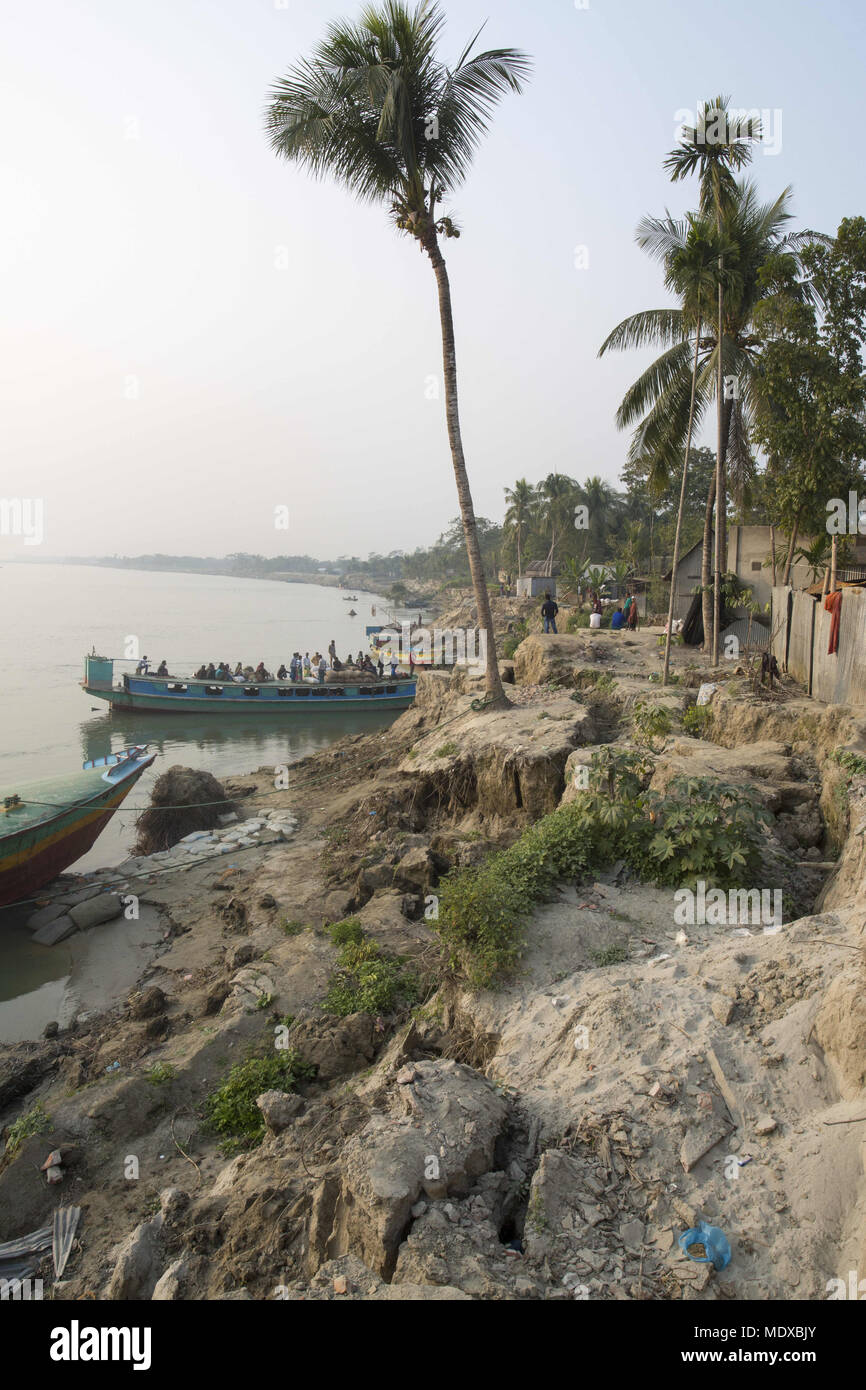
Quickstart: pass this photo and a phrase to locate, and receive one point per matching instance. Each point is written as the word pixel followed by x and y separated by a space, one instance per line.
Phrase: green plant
pixel 609 955
pixel 231 1109
pixel 264 1001
pixel 697 828
pixel 369 981
pixel 853 763
pixel 36 1121
pixel 349 931
pixel 447 750
pixel 290 927
pixel 707 829
pixel 513 639
pixel 161 1073
pixel 697 720
pixel 650 722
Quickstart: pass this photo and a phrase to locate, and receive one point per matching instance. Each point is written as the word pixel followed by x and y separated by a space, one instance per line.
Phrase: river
pixel 53 614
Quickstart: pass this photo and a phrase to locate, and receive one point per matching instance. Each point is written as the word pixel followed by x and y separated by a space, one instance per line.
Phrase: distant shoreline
pixel 375 586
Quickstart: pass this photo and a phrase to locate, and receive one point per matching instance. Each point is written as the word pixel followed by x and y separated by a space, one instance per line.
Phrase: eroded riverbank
pixel 551 1134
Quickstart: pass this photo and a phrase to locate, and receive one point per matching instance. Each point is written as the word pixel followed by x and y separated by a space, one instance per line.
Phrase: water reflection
pixel 235 736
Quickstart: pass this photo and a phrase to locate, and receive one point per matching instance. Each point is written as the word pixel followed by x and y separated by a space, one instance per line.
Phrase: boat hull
pixel 37 853
pixel 191 699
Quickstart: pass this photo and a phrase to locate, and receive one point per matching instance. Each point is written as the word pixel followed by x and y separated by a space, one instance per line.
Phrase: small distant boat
pixel 45 826
pixel 352 613
pixel 186 695
pixel 350 598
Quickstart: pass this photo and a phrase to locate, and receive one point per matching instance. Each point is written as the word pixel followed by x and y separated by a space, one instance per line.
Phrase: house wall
pixel 535 586
pixel 688 576
pixel 748 547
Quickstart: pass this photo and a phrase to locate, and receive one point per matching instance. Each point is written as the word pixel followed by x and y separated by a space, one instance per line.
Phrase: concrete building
pixel 748 549
pixel 536 580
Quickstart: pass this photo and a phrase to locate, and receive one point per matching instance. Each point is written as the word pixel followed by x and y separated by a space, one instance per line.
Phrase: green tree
pixel 375 108
pixel 521 501
pixel 812 429
pixel 719 145
pixel 558 496
pixel 659 403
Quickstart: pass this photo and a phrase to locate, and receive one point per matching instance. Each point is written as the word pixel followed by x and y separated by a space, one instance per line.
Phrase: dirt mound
pixel 840 1029
pixel 184 799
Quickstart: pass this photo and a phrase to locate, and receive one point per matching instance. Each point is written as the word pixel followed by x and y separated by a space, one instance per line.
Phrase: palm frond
pixel 651 327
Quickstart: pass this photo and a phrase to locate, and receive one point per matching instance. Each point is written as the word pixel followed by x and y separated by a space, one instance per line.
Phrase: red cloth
pixel 833 604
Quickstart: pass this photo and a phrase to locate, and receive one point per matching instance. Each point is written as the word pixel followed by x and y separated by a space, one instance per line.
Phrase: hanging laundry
pixel 833 605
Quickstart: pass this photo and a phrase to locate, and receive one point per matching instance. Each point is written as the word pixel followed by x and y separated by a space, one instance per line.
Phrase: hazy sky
pixel 194 333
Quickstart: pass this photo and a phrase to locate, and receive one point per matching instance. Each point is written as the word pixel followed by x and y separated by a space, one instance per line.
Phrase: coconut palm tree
pixel 719 145
pixel 521 501
pixel 604 507
pixel 557 497
pixel 690 252
pixel 659 404
pixel 378 110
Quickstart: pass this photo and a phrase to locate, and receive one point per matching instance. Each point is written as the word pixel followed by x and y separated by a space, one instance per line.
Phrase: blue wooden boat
pixel 182 695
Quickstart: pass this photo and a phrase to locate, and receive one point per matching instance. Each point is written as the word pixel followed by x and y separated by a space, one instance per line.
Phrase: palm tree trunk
pixel 720 494
pixel 706 567
pixel 495 693
pixel 773 552
pixel 680 509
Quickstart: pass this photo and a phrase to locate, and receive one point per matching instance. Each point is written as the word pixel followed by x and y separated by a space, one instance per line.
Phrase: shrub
pixel 697 720
pixel 231 1109
pixel 853 764
pixel 513 639
pixel 609 955
pixel 698 828
pixel 347 931
pixel 650 722
pixel 369 981
pixel 707 829
pixel 161 1073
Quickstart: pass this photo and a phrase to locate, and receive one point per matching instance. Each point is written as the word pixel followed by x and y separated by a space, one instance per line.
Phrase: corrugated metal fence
pixel 801 636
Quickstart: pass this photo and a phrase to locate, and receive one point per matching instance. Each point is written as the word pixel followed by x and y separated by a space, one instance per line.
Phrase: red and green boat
pixel 46 826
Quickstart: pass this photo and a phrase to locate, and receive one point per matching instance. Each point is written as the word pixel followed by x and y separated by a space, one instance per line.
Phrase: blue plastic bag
pixel 714 1241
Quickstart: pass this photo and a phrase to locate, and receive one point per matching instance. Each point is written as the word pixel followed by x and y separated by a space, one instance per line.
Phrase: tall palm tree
pixel 659 404
pixel 719 145
pixel 521 501
pixel 557 497
pixel 377 109
pixel 690 258
pixel 604 504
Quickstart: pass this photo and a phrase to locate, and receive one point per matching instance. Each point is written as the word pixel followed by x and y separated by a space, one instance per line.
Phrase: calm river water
pixel 53 614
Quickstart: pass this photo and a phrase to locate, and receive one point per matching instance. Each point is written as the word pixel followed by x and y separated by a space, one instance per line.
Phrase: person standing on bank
pixel 549 610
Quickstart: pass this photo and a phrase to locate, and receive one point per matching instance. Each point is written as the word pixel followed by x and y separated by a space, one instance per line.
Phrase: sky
pixel 198 340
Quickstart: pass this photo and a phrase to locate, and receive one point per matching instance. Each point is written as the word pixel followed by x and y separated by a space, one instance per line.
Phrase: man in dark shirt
pixel 549 611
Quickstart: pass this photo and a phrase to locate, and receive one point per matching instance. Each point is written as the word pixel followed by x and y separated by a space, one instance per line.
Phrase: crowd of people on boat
pixel 304 667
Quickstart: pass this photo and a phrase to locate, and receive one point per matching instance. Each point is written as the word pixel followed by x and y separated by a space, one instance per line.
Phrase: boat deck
pixel 41 801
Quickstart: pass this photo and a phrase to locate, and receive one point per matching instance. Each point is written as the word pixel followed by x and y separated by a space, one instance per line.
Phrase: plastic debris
pixel 715 1243
pixel 706 692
